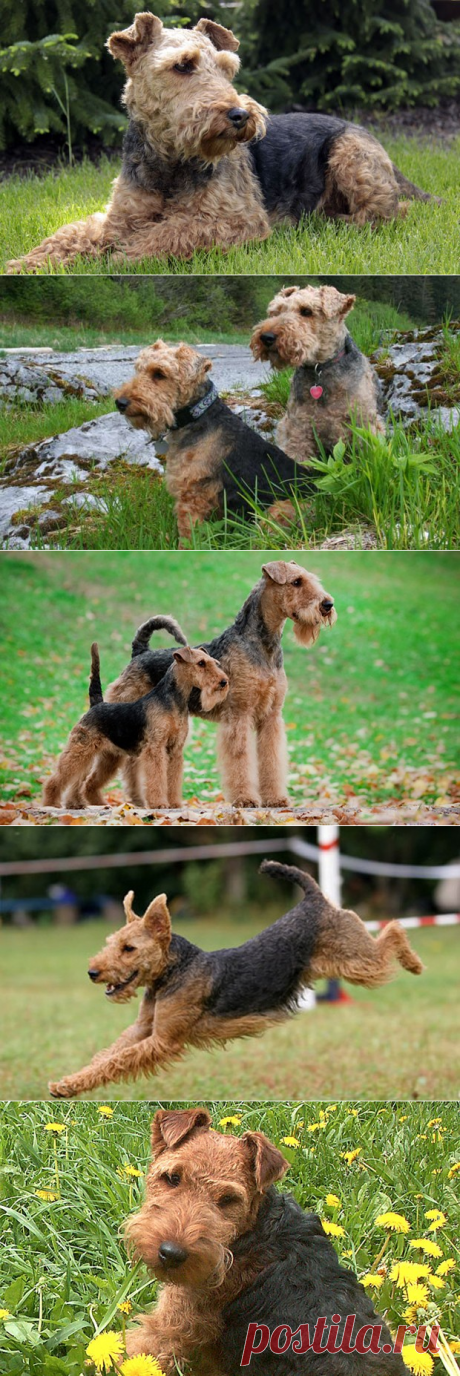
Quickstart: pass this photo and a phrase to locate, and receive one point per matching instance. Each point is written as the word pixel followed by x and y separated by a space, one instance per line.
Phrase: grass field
pixel 425 242
pixel 401 1041
pixel 63 1265
pixel 371 709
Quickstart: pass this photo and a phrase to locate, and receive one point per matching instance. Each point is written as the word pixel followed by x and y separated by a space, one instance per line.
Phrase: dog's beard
pixel 306 632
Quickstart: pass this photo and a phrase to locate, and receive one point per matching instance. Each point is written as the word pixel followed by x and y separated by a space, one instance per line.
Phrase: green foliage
pixel 352 53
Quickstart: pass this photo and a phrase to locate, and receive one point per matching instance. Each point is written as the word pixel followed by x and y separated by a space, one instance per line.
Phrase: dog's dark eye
pixel 172 1179
pixel 305 310
pixel 185 67
pixel 297 582
pixel 226 1200
pixel 201 663
pixel 156 373
pixel 129 948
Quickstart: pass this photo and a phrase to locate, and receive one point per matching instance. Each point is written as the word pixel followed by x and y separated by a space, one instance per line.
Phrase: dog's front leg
pixel 272 758
pixel 120 1064
pixel 236 757
pixel 70 1085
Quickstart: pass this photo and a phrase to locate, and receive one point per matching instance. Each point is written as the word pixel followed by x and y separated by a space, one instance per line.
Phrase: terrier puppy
pixel 201 998
pixel 152 731
pixel 242 1269
pixel 333 382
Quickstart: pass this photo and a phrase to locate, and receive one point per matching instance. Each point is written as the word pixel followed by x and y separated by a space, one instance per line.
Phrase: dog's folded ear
pixel 185 655
pixel 223 39
pixel 268 1163
pixel 277 571
pixel 131 44
pixel 170 1127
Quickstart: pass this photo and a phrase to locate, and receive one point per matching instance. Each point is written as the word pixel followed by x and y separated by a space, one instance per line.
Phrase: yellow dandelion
pixel 445 1266
pixel 347 1254
pixel 54 1127
pixel 369 1279
pixel 332 1229
pixel 405 1272
pixel 331 1108
pixel 395 1222
pixel 125 1307
pixel 454 1169
pixel 4 1314
pixel 353 1113
pixel 418 1295
pixel 438 1220
pixel 410 1314
pixel 47 1195
pixel 141 1366
pixel 130 1171
pixel 454 1345
pixel 333 1201
pixel 433 1123
pixel 290 1142
pixel 419 1362
pixel 105 1111
pixel 437 1282
pixel 104 1350
pixel 230 1122
pixel 424 1244
pixel 313 1127
pixel 403 1117
pixel 350 1156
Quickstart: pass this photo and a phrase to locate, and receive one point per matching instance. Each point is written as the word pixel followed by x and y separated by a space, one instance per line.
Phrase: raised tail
pixel 156 623
pixel 413 192
pixel 291 873
pixel 95 686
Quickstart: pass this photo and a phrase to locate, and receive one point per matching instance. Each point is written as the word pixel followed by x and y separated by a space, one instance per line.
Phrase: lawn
pixel 425 242
pixel 371 711
pixel 400 1041
pixel 63 1265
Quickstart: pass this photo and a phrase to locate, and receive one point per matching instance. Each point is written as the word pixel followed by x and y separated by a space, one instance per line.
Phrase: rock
pixel 93 373
pixel 49 520
pixel 413 368
pixel 95 444
pixel 13 499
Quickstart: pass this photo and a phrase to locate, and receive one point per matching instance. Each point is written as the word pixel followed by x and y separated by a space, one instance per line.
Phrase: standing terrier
pixel 214 462
pixel 151 731
pixel 333 382
pixel 202 167
pixel 251 655
pixel 200 998
pixel 230 1251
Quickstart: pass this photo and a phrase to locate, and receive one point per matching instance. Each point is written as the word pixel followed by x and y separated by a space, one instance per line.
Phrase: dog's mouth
pixel 113 989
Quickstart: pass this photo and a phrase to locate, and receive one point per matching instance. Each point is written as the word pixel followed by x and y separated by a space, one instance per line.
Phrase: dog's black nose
pixel 171 1254
pixel 268 339
pixel 327 604
pixel 238 117
pixel 93 974
pixel 121 404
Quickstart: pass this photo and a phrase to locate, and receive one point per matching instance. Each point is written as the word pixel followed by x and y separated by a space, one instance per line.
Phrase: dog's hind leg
pixel 347 950
pixel 104 769
pixel 360 176
pixel 73 766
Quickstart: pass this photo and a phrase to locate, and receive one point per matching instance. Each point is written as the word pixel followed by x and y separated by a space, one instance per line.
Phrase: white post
pixel 329 864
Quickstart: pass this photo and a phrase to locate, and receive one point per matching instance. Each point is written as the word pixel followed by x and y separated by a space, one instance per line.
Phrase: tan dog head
pixel 303 325
pixel 289 591
pixel 167 377
pixel 197 669
pixel 136 954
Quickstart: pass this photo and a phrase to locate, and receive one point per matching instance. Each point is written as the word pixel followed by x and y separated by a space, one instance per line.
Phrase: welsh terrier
pixel 152 732
pixel 333 382
pixel 200 998
pixel 242 1269
pixel 214 462
pixel 203 165
pixel 251 655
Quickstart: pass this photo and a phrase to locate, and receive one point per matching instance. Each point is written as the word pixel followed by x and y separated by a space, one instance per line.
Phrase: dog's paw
pixel 60 1089
pixel 245 802
pixel 277 802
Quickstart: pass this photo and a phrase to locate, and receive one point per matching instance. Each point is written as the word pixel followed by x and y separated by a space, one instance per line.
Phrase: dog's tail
pixel 156 623
pixel 413 192
pixel 95 686
pixel 291 873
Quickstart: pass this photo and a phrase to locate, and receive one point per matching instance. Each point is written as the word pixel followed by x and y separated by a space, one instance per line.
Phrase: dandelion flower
pixel 230 1122
pixel 54 1127
pixel 125 1307
pixel 437 1282
pixel 438 1219
pixel 404 1272
pixel 291 1142
pixel 354 1112
pixel 433 1123
pixel 369 1279
pixel 350 1156
pixel 395 1222
pixel 453 1170
pixel 445 1266
pixel 131 1171
pixel 454 1345
pixel 4 1314
pixel 331 1108
pixel 333 1229
pixel 425 1244
pixel 47 1195
pixel 105 1111
pixel 410 1314
pixel 141 1366
pixel 104 1350
pixel 403 1117
pixel 419 1362
pixel 418 1295
pixel 333 1201
pixel 313 1127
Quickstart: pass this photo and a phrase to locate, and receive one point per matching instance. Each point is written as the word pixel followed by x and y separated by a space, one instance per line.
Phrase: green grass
pixel 63 1264
pixel 371 709
pixel 425 242
pixel 54 1020
pixel 16 333
pixel 22 425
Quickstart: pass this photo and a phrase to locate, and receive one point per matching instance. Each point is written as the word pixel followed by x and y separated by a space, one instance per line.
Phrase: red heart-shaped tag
pixel 316 392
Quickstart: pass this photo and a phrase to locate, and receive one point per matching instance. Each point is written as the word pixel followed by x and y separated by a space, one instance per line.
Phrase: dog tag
pixel 316 392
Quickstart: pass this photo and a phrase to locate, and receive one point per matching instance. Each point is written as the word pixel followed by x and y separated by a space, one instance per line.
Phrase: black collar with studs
pixel 190 413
